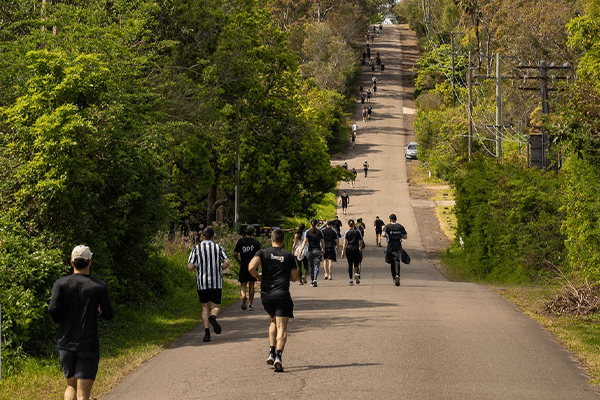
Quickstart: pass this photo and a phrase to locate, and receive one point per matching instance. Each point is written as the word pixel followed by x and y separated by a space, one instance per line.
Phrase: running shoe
pixel 357 278
pixel 304 279
pixel 213 321
pixel 206 337
pixel 397 280
pixel 351 282
pixel 271 359
pixel 243 303
pixel 315 284
pixel 250 308
pixel 278 365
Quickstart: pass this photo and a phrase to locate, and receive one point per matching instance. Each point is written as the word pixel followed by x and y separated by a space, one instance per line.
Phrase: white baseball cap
pixel 81 252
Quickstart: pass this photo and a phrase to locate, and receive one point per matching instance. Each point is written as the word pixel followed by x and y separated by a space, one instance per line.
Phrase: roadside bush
pixel 509 220
pixel 27 272
pixel 582 224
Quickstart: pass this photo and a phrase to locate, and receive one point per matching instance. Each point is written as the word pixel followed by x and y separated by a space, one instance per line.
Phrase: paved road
pixel 428 339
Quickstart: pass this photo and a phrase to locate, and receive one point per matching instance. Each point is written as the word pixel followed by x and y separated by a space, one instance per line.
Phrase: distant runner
pixel 394 233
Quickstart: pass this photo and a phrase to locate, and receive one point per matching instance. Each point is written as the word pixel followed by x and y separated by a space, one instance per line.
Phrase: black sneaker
pixel 277 365
pixel 206 337
pixel 397 280
pixel 271 359
pixel 315 284
pixel 250 308
pixel 213 321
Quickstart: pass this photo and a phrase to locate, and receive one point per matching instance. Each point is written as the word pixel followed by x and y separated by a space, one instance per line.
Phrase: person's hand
pixel 227 271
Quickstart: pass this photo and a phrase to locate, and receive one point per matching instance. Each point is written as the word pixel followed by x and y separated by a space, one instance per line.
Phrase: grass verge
pixel 132 337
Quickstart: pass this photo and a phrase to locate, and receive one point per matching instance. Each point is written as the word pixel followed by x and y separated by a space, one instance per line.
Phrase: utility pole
pixel 498 127
pixel 470 84
pixel 453 69
pixel 453 51
pixel 498 105
pixel 539 144
pixel 237 167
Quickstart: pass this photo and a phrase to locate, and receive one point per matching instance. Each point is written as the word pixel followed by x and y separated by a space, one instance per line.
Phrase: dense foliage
pixel 120 120
pixel 515 222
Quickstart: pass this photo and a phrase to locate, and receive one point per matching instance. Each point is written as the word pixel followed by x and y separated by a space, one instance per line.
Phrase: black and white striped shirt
pixel 207 257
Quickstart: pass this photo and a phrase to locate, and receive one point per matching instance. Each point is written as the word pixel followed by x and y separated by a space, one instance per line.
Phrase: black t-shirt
pixel 394 233
pixel 379 224
pixel 330 236
pixel 314 239
pixel 74 305
pixel 276 264
pixel 246 247
pixel 353 239
pixel 345 198
pixel 337 225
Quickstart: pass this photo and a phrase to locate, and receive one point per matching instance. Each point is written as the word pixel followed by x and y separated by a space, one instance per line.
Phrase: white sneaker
pixel 351 282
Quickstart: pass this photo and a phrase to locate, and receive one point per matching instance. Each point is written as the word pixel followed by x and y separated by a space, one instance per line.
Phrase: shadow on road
pixel 316 367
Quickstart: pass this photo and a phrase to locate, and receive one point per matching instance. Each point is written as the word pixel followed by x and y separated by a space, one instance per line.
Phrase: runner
pixel 394 233
pixel 210 262
pixel 313 238
pixel 337 225
pixel 277 269
pixel 301 263
pixel 244 251
pixel 331 239
pixel 353 181
pixel 345 199
pixel 378 229
pixel 76 301
pixel 360 225
pixel 352 249
pixel 366 167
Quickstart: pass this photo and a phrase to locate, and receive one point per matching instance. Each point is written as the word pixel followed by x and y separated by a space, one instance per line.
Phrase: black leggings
pixel 393 257
pixel 302 266
pixel 353 256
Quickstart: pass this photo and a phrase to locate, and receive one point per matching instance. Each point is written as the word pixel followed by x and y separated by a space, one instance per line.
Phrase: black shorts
pixel 81 364
pixel 330 253
pixel 245 276
pixel 279 307
pixel 210 296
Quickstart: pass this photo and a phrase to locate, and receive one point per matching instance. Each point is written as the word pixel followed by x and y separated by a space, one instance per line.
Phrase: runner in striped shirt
pixel 210 262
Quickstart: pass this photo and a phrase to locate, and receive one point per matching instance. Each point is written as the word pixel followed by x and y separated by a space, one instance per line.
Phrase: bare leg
pixel 243 290
pixel 84 389
pixel 78 389
pixel 71 392
pixel 215 309
pixel 281 330
pixel 273 332
pixel 243 295
pixel 250 292
pixel 205 307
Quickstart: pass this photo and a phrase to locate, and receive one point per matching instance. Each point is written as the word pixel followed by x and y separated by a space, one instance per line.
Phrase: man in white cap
pixel 76 301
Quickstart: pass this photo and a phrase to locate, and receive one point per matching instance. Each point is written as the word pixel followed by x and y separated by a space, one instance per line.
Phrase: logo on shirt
pixel 278 258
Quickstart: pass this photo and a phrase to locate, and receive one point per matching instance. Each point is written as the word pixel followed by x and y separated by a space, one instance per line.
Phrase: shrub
pixel 27 272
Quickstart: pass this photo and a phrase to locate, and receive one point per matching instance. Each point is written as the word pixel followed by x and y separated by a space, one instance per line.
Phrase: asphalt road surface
pixel 427 339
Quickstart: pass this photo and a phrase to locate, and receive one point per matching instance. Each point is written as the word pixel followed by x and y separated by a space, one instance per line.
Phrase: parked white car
pixel 411 150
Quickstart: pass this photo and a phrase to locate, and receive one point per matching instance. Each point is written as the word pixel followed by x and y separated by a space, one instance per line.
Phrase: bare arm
pixel 294 275
pixel 253 267
pixel 191 266
pixel 225 266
